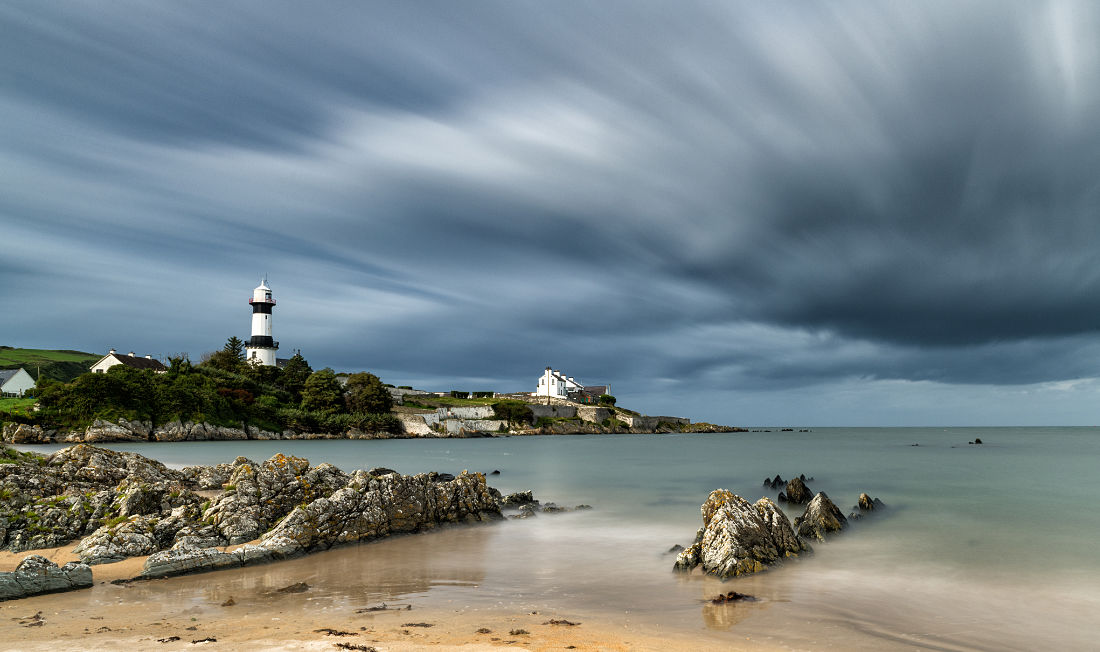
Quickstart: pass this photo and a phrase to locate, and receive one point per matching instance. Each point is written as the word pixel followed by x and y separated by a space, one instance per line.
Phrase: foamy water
pixel 986 547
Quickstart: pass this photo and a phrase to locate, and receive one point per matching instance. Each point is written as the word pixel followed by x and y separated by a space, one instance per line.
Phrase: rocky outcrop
pixel 105 431
pixel 21 433
pixel 368 507
pixel 797 492
pixel 739 537
pixel 36 574
pixel 258 496
pixel 820 518
pixel 188 431
pixel 865 506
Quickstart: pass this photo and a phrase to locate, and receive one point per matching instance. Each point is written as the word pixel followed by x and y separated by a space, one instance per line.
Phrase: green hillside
pixel 58 365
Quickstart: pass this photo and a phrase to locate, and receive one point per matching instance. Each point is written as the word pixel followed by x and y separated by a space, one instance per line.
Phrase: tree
pixel 607 399
pixel 295 373
pixel 366 393
pixel 230 358
pixel 322 392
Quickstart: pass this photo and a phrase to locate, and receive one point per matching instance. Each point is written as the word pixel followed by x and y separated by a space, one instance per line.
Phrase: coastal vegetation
pixel 223 390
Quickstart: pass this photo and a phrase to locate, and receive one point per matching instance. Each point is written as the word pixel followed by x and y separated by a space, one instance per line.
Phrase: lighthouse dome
pixel 262 292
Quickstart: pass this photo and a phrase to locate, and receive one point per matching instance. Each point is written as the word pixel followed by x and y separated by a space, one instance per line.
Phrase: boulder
pixel 797 492
pixel 865 505
pixel 22 433
pixel 739 537
pixel 820 518
pixel 519 499
pixel 105 431
pixel 36 574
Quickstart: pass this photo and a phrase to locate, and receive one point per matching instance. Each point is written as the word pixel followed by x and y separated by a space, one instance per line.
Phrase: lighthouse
pixel 261 347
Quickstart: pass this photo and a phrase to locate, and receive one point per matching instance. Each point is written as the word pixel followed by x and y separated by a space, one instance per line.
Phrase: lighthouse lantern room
pixel 261 346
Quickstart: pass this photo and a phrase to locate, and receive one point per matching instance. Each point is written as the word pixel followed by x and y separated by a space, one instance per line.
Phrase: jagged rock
pixel 774 483
pixel 368 507
pixel 22 433
pixel 189 431
pixel 820 518
pixel 183 560
pixel 217 476
pixel 518 499
pixel 864 505
pixel 797 492
pixel 36 574
pixel 257 497
pixel 105 431
pixel 102 467
pixel 739 537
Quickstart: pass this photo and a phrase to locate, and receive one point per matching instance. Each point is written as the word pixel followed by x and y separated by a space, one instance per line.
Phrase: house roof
pixel 138 363
pixel 7 374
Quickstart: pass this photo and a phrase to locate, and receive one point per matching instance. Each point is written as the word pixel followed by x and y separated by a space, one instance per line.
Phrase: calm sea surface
pixel 986 547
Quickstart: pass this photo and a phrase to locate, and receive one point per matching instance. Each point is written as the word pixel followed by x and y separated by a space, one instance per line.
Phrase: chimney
pixel 112 352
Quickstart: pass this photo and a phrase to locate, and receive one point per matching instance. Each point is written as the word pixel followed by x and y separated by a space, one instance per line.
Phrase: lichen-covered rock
pixel 189 431
pixel 257 497
pixel 368 507
pixel 739 537
pixel 22 433
pixel 519 499
pixel 184 559
pixel 797 492
pixel 36 574
pixel 99 466
pixel 214 477
pixel 820 518
pixel 105 431
pixel 864 506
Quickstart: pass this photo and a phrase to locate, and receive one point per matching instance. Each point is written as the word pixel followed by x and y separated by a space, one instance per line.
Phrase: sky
pixel 748 213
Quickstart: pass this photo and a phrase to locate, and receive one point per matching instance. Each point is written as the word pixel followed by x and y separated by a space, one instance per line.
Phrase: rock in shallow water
pixel 820 518
pixel 739 537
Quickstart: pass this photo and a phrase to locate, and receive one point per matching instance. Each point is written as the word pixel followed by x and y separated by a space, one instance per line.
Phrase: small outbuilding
pixel 15 382
pixel 114 358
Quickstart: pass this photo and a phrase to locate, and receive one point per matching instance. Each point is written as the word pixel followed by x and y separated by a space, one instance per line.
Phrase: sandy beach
pixel 105 617
pixel 96 619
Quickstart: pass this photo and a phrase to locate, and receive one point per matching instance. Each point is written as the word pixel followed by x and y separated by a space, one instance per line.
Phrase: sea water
pixel 986 546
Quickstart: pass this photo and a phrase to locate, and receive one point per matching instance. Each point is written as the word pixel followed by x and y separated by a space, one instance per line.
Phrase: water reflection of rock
pixel 724 616
pixel 356 576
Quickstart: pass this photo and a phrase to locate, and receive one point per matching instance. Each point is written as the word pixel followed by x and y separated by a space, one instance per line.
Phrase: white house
pixel 15 382
pixel 553 384
pixel 113 358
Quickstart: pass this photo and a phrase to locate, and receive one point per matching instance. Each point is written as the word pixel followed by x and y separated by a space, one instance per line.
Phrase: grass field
pixel 59 365
pixel 10 405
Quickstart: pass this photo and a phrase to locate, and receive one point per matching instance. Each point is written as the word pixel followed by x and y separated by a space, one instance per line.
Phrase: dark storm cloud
pixel 740 195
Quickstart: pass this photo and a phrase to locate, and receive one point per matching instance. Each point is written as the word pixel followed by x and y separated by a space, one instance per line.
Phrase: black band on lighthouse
pixel 261 341
pixel 264 308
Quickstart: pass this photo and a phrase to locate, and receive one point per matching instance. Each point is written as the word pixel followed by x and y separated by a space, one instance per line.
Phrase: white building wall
pixel 106 363
pixel 554 384
pixel 18 384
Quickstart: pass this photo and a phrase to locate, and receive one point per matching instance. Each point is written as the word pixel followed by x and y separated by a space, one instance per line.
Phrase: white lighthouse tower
pixel 261 347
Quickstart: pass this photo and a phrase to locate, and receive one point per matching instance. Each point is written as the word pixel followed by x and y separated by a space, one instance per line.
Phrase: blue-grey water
pixel 989 547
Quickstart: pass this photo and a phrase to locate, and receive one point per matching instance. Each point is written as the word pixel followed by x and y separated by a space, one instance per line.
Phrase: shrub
pixel 512 411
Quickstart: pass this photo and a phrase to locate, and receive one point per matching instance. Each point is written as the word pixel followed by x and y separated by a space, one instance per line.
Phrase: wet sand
pixel 187 612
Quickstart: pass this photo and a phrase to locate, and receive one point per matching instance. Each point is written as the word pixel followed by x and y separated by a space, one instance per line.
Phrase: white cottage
pixel 15 382
pixel 113 358
pixel 553 384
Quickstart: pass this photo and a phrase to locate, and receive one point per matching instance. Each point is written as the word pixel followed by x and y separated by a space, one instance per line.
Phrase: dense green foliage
pixel 512 411
pixel 55 365
pixel 263 397
pixel 322 392
pixel 607 399
pixel 366 393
